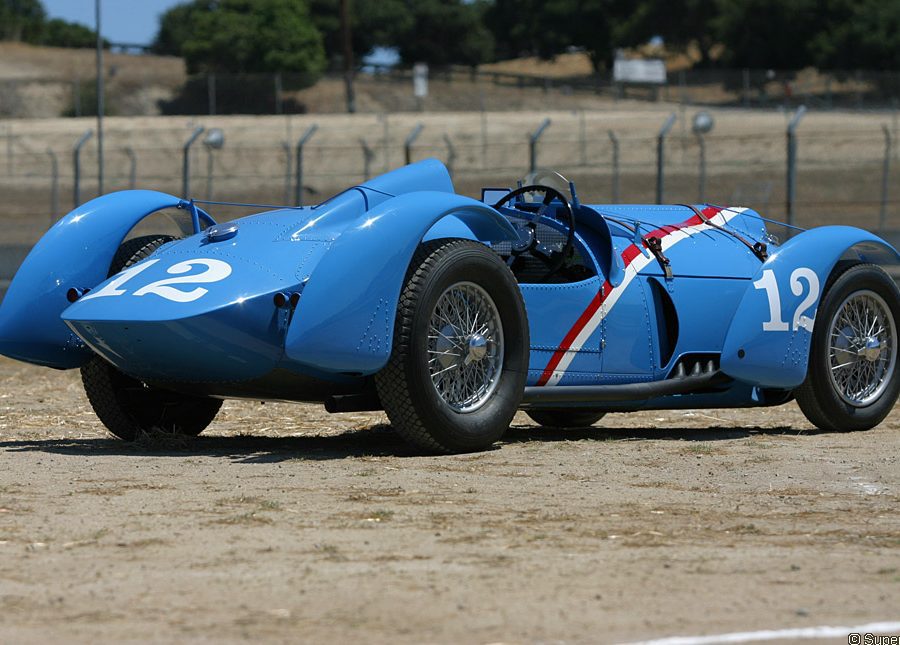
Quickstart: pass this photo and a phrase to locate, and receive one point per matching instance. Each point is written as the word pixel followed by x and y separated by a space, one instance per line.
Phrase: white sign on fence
pixel 420 80
pixel 652 71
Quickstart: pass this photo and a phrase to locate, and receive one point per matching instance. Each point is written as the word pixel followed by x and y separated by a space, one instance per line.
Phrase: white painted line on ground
pixel 867 487
pixel 777 634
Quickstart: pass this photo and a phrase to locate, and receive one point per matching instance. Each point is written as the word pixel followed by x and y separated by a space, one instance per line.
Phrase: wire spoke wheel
pixel 459 358
pixel 465 346
pixel 852 381
pixel 862 348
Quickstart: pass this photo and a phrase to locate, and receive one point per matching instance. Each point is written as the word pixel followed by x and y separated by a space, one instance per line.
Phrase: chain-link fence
pixel 845 173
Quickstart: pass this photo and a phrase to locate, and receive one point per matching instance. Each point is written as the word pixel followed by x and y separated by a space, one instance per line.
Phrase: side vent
pixel 666 321
pixel 695 365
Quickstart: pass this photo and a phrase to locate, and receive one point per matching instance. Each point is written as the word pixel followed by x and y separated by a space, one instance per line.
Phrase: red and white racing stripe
pixel 634 261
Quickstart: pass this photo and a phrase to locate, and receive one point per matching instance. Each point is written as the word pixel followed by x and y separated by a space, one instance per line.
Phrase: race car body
pixel 451 313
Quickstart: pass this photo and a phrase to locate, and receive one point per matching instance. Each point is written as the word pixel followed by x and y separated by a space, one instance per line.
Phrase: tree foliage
pixel 61 33
pixel 775 34
pixel 545 29
pixel 444 32
pixel 243 36
pixel 21 19
pixel 175 28
pixel 26 21
pixel 374 23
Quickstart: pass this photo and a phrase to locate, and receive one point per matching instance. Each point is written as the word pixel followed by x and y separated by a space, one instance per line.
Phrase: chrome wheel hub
pixel 862 348
pixel 476 347
pixel 871 349
pixel 465 346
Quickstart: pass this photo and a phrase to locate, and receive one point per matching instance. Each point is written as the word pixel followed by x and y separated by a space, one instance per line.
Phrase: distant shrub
pixel 84 101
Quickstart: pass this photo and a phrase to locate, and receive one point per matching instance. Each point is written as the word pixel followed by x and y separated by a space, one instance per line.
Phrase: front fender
pixel 76 252
pixel 769 337
pixel 345 319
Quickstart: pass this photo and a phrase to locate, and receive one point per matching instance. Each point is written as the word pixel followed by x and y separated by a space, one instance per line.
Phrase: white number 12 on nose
pixel 768 283
pixel 216 270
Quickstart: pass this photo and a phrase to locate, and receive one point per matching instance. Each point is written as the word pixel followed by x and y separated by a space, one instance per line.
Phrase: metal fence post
pixel 386 140
pixel 885 177
pixel 701 188
pixel 298 169
pixel 100 91
pixel 615 166
pixel 76 165
pixel 582 138
pixel 76 90
pixel 132 167
pixel 451 154
pixel 407 145
pixel 279 103
pixel 186 161
pixel 484 133
pixel 288 175
pixel 532 144
pixel 54 185
pixel 792 161
pixel 746 92
pixel 661 157
pixel 9 151
pixel 368 156
pixel 211 93
pixel 209 173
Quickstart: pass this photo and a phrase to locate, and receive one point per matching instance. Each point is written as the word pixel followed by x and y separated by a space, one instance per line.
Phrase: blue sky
pixel 124 21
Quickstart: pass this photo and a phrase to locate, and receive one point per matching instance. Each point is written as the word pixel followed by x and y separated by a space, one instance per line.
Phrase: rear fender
pixel 769 337
pixel 345 319
pixel 76 252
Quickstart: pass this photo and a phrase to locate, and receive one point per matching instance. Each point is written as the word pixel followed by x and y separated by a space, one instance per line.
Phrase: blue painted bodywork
pixel 201 310
pixel 778 358
pixel 76 252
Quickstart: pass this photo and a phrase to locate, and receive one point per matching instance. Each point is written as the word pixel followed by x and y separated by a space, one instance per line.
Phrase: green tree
pixel 21 19
pixel 681 23
pixel 859 34
pixel 61 33
pixel 243 36
pixel 444 33
pixel 548 28
pixel 373 23
pixel 768 34
pixel 175 28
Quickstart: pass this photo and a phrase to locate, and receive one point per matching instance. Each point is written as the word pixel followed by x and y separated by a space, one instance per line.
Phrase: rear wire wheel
pixel 853 378
pixel 460 355
pixel 125 405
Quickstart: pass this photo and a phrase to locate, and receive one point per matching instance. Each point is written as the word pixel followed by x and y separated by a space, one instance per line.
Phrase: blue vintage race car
pixel 451 313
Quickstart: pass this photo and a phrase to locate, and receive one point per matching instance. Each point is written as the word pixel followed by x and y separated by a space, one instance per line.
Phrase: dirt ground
pixel 282 523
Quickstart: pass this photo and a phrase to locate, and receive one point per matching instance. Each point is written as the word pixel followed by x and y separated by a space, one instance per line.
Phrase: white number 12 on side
pixel 770 285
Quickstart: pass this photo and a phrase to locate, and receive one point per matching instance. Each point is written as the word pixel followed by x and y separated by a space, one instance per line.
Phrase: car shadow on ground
pixel 377 441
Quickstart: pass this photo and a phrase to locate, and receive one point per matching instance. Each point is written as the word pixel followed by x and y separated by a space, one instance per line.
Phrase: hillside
pixel 42 82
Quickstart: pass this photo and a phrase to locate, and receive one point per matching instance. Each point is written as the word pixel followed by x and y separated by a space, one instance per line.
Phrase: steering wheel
pixel 528 241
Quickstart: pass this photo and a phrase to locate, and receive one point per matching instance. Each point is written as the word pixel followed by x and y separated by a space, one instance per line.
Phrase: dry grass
pixel 19 61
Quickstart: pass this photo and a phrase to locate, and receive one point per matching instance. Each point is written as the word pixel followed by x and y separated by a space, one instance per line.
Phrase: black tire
pixel 565 418
pixel 125 405
pixel 412 402
pixel 818 396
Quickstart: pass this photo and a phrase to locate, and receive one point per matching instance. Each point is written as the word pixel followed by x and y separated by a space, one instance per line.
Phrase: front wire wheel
pixel 863 348
pixel 460 353
pixel 852 381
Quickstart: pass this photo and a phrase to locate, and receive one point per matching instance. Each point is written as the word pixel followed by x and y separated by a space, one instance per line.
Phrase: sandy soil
pixel 283 523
